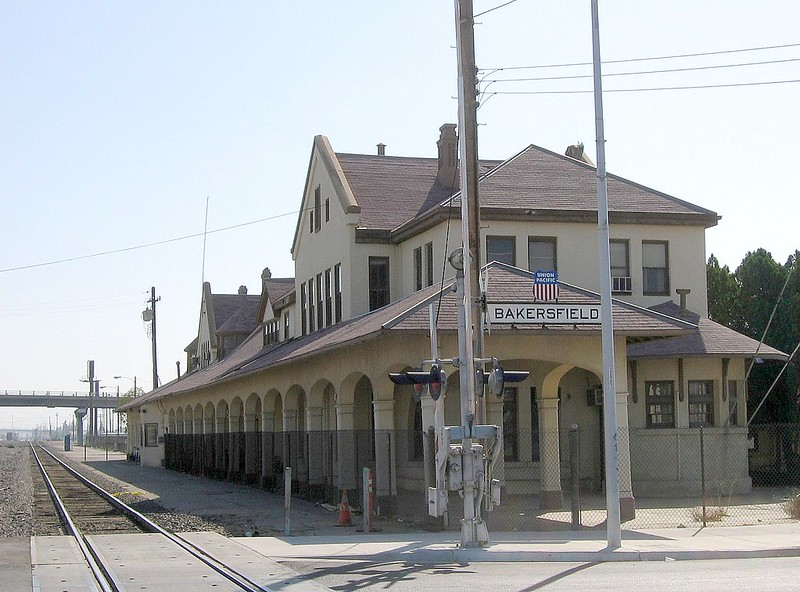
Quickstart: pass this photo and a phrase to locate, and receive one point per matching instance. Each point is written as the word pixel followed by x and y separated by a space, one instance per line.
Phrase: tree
pixel 724 299
pixel 745 301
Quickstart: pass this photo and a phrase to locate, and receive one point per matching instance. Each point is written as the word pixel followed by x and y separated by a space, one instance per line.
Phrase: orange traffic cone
pixel 344 510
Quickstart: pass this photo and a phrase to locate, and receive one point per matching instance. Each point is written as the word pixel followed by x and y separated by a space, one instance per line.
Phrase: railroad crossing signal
pixel 436 380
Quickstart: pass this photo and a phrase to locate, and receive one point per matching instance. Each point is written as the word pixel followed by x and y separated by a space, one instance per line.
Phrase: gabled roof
pixel 535 184
pixel 278 287
pixel 410 314
pixel 711 340
pixel 274 289
pixel 539 180
pixel 235 313
pixel 202 378
pixel 392 190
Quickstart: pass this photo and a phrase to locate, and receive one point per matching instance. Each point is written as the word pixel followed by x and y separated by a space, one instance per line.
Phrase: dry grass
pixel 792 506
pixel 712 513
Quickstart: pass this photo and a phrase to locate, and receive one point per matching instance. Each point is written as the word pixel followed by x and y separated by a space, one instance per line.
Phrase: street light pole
pixel 610 438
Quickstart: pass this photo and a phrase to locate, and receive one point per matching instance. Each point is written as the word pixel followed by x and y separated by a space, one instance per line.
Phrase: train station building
pixel 298 376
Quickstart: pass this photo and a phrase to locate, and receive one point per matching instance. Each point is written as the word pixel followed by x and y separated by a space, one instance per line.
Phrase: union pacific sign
pixel 544 314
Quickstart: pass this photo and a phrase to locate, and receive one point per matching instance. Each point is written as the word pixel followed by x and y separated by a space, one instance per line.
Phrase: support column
pixel 221 447
pixel 316 479
pixel 199 445
pixel 385 479
pixel 251 464
pixel 346 445
pixel 210 445
pixel 550 494
pixel 291 447
pixel 234 452
pixel 267 449
pixel 627 504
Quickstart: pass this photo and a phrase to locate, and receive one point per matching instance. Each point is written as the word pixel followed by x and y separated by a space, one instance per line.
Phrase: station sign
pixel 519 313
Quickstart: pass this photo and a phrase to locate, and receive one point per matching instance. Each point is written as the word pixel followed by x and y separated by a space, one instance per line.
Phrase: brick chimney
pixel 447 174
pixel 242 290
pixel 683 293
pixel 381 149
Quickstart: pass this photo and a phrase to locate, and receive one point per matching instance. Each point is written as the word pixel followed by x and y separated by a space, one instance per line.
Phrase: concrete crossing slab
pixel 57 565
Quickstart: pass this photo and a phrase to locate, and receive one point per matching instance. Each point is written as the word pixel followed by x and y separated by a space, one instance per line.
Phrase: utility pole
pixel 613 526
pixel 468 148
pixel 151 313
pixel 473 530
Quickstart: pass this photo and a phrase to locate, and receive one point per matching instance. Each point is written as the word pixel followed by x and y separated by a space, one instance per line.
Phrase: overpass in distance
pixel 53 399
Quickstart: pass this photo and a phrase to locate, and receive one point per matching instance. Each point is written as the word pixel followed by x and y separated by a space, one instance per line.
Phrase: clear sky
pixel 120 121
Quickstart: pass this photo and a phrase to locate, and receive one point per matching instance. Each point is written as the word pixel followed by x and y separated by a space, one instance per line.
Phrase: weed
pixel 792 506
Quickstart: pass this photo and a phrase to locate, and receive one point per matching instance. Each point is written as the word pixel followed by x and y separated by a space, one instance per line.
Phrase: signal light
pixel 497 377
pixel 438 384
pixel 436 380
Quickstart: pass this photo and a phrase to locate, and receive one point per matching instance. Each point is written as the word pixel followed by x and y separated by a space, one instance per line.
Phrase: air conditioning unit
pixel 594 397
pixel 621 284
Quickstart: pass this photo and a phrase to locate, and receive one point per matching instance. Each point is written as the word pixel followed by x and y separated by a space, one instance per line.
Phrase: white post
pixel 287 501
pixel 613 531
pixel 365 498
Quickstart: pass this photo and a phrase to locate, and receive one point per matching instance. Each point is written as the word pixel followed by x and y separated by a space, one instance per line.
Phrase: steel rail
pixel 100 576
pixel 225 571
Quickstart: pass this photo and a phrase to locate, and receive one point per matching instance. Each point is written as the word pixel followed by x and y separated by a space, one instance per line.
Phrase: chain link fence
pixel 551 480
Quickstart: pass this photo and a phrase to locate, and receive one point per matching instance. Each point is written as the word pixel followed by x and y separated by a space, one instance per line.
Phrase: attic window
pixel 317 209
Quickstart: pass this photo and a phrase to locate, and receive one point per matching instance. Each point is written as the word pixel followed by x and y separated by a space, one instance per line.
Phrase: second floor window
pixel 272 332
pixel 502 249
pixel 328 298
pixel 429 264
pixel 418 268
pixel 378 282
pixel 655 268
pixel 320 302
pixel 303 309
pixel 337 293
pixel 620 267
pixel 311 310
pixel 542 254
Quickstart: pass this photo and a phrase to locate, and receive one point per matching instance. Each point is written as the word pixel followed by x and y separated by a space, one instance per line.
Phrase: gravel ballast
pixel 18 519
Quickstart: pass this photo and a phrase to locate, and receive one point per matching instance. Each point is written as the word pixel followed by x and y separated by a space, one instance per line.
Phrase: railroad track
pixel 90 514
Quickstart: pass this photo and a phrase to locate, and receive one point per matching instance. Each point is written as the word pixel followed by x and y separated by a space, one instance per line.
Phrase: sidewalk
pixel 316 535
pixel 586 546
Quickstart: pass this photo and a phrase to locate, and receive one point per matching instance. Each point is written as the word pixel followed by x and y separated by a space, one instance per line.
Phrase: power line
pixel 629 60
pixel 623 90
pixel 474 16
pixel 642 72
pixel 144 246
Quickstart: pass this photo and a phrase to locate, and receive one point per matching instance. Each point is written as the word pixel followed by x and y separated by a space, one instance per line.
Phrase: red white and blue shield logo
pixel 545 285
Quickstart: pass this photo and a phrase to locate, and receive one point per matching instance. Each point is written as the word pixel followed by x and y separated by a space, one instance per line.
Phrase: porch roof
pixel 710 340
pixel 410 314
